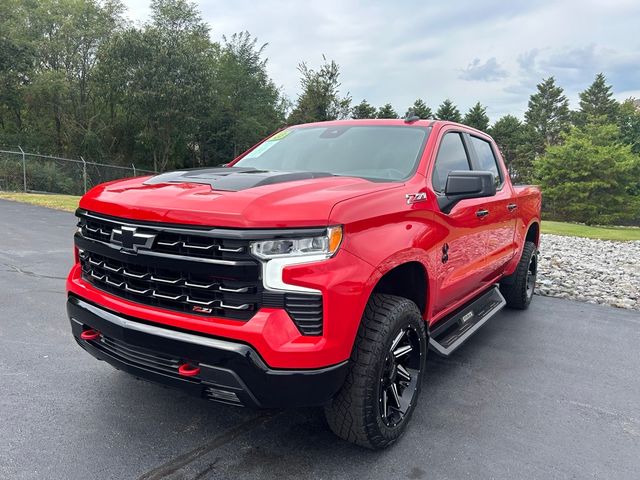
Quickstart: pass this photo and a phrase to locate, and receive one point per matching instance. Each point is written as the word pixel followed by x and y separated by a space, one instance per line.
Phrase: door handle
pixel 482 213
pixel 512 206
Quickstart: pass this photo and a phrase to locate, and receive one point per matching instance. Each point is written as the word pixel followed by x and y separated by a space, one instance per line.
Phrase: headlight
pixel 325 245
pixel 276 255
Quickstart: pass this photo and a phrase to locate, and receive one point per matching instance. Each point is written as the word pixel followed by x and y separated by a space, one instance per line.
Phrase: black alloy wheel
pixel 399 379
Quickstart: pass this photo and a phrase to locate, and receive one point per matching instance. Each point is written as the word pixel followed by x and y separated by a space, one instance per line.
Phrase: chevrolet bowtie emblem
pixel 130 240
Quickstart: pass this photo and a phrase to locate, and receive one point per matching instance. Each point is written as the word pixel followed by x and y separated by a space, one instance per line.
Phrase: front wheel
pixel 387 365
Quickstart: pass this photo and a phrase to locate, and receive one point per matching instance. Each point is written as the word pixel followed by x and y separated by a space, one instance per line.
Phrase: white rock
pixel 592 271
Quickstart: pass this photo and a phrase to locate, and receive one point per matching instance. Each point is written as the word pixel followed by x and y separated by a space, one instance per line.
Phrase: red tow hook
pixel 187 370
pixel 90 334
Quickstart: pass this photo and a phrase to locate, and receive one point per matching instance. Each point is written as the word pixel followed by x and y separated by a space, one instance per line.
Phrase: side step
pixel 455 329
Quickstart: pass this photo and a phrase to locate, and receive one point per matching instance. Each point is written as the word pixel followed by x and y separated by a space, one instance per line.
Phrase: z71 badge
pixel 415 197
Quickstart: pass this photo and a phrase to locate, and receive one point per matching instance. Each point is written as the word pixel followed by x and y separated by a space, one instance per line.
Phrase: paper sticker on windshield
pixel 260 149
pixel 280 135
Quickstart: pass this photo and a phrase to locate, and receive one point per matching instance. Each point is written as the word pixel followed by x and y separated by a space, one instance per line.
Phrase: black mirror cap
pixel 468 182
pixel 463 184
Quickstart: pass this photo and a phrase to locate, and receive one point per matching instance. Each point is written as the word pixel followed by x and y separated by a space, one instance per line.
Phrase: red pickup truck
pixel 316 269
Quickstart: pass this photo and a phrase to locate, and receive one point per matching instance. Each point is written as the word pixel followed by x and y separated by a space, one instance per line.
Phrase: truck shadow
pixel 198 439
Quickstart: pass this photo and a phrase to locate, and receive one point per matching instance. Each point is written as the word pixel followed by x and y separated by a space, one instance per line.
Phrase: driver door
pixel 461 253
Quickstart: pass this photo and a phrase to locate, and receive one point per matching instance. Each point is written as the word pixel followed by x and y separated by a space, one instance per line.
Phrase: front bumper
pixel 344 280
pixel 229 372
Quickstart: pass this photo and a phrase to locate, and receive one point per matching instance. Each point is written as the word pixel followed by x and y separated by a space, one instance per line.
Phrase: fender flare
pixel 513 263
pixel 397 259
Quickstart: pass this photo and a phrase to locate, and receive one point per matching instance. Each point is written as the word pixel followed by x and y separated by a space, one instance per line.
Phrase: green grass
pixel 580 230
pixel 59 202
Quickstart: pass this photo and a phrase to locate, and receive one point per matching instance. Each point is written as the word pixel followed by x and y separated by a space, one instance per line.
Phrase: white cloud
pixel 489 71
pixel 397 52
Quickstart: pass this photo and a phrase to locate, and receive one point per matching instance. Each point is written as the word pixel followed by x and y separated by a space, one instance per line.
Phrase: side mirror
pixel 463 184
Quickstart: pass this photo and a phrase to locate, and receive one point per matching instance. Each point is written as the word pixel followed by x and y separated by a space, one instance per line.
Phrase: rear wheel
pixel 518 288
pixel 387 365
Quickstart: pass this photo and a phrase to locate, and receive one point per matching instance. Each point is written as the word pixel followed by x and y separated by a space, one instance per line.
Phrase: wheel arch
pixel 533 233
pixel 409 280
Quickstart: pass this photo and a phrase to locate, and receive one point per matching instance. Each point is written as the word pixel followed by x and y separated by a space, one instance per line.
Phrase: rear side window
pixel 486 158
pixel 451 156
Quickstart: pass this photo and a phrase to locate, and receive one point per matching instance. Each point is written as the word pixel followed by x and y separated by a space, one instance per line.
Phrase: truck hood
pixel 230 197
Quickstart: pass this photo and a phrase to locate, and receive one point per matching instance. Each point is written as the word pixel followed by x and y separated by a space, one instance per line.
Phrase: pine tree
pixel 387 111
pixel 591 178
pixel 420 109
pixel 597 102
pixel 548 114
pixel 629 122
pixel 507 132
pixel 448 111
pixel 477 117
pixel 363 110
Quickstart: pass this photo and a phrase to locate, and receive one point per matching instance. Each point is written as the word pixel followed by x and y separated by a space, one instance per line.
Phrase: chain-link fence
pixel 31 172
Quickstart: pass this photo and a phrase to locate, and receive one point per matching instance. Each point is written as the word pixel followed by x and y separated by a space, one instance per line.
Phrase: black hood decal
pixel 232 179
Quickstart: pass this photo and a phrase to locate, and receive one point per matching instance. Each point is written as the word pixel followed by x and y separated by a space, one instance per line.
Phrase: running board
pixel 454 330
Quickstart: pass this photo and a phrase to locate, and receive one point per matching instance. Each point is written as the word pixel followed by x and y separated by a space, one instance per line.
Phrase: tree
pixel 597 101
pixel 167 69
pixel 48 50
pixel 421 109
pixel 17 63
pixel 548 114
pixel 320 99
pixel 77 79
pixel 629 122
pixel 386 111
pixel 448 111
pixel 363 110
pixel 250 103
pixel 532 145
pixel 591 177
pixel 507 132
pixel 477 117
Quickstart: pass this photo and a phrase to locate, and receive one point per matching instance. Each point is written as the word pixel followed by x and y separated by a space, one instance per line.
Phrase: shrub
pixel 591 178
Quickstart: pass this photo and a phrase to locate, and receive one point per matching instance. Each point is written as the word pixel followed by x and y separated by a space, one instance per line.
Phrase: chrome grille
pixel 175 241
pixel 187 270
pixel 205 272
pixel 177 290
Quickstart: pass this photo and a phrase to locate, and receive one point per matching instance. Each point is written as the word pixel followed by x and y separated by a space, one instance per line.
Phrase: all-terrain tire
pixel 355 413
pixel 517 289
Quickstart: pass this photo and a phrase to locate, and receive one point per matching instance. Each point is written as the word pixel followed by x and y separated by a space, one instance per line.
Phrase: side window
pixel 451 156
pixel 486 158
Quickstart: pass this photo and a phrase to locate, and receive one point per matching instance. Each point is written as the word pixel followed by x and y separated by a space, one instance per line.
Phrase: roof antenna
pixel 411 116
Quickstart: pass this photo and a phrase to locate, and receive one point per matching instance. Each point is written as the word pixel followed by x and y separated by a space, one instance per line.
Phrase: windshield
pixel 383 152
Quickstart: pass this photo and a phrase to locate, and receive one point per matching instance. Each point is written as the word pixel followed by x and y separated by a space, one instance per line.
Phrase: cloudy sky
pixel 489 51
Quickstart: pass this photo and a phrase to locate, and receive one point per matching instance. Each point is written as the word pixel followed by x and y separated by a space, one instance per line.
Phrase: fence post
pixel 134 169
pixel 24 169
pixel 84 173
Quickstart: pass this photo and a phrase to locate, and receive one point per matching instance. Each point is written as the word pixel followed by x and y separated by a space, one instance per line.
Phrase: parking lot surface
pixel 552 392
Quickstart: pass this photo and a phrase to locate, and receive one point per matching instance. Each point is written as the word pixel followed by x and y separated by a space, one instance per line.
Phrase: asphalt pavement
pixel 552 392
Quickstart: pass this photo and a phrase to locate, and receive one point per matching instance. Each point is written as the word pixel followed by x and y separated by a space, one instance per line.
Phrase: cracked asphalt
pixel 553 392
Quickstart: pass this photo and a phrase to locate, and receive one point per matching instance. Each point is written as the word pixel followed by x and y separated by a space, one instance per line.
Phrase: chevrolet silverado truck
pixel 316 269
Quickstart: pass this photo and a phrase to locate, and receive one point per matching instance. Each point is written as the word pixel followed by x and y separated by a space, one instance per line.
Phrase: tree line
pixel 587 160
pixel 78 79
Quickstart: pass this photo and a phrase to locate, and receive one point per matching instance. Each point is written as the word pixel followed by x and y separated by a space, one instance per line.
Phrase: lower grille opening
pixel 139 356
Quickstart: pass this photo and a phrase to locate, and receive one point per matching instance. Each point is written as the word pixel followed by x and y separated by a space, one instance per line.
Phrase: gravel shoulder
pixel 593 271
